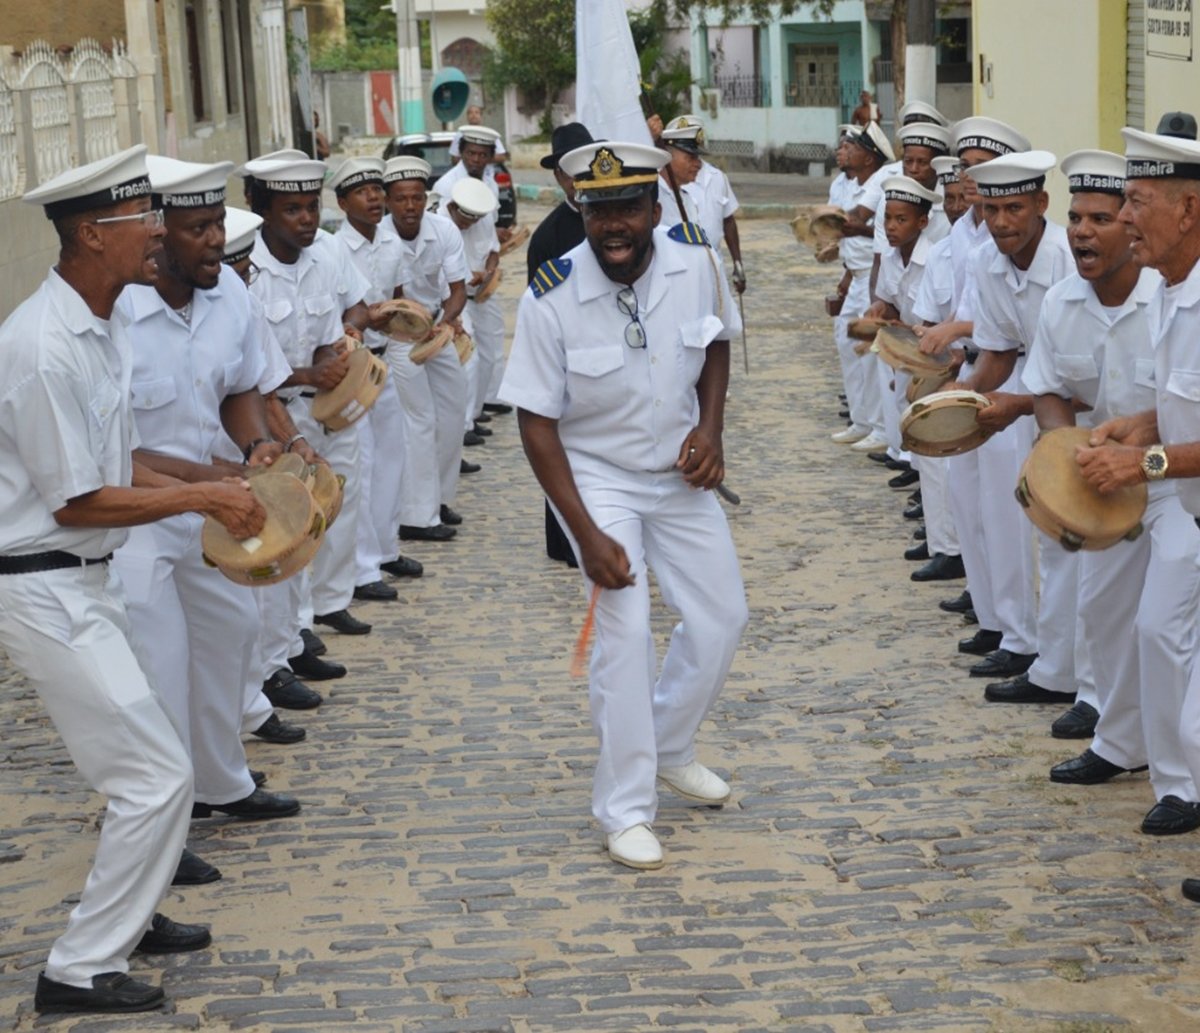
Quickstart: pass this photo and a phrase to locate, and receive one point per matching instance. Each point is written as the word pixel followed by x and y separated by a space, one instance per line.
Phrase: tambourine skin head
pixel 353 397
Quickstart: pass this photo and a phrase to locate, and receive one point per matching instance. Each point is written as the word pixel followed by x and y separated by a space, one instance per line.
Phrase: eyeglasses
pixel 635 333
pixel 151 219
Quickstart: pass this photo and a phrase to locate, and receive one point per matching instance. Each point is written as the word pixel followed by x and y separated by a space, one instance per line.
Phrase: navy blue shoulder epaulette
pixel 549 275
pixel 688 233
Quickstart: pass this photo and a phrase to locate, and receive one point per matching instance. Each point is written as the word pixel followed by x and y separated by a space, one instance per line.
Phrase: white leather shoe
pixel 849 435
pixel 695 782
pixel 635 847
pixel 871 443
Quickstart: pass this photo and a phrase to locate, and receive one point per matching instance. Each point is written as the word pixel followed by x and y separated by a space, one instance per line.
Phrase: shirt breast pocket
pixel 1076 369
pixel 596 379
pixel 277 311
pixel 318 304
pixel 146 395
pixel 694 338
pixel 1184 384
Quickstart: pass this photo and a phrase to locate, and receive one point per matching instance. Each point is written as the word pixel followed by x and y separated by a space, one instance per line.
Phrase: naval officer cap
pixel 946 168
pixel 473 197
pixel 356 172
pixel 917 111
pixel 241 229
pixel 187 184
pixel 1151 156
pixel 926 134
pixel 98 184
pixel 1012 174
pixel 872 139
pixel 1177 123
pixel 685 133
pixel 904 188
pixel 988 134
pixel 612 170
pixel 287 176
pixel 481 135
pixel 1094 172
pixel 406 166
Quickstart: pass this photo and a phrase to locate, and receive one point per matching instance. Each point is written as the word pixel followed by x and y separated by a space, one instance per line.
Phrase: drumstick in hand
pixel 585 636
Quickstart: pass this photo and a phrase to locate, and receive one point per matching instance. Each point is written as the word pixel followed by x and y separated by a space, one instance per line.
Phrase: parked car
pixel 435 149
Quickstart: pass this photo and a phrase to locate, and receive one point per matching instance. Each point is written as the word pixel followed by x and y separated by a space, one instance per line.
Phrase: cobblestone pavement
pixel 893 859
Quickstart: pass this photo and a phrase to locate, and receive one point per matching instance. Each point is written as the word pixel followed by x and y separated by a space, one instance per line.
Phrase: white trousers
pixel 195 632
pixel 420 491
pixel 448 385
pixel 281 610
pixel 940 533
pixel 381 460
pixel 67 632
pixel 1058 611
pixel 1140 602
pixel 488 320
pixel 643 720
pixel 471 372
pixel 967 513
pixel 861 380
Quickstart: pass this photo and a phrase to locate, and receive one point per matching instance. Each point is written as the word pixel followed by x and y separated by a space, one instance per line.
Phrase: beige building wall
pixel 61 22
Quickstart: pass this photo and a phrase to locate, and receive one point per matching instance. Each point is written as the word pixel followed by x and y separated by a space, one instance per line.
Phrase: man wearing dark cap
pixel 1179 124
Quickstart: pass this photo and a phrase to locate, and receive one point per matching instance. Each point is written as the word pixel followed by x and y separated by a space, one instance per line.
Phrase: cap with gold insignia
pixel 917 111
pixel 1012 174
pixel 902 188
pixel 871 138
pixel 473 197
pixel 354 173
pixel 287 176
pixel 241 228
pixel 925 134
pixel 187 184
pixel 685 133
pixel 98 184
pixel 481 135
pixel 1152 156
pixel 613 171
pixel 988 134
pixel 946 168
pixel 406 166
pixel 1094 172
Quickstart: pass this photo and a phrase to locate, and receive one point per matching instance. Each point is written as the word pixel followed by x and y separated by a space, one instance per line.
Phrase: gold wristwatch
pixel 1154 462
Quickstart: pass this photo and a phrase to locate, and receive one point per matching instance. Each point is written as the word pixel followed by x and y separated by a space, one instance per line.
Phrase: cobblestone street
pixel 894 857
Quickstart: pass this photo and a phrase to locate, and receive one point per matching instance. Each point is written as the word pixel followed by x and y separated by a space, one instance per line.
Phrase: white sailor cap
pixel 473 197
pixel 406 166
pixel 187 184
pixel 98 184
pixel 685 133
pixel 903 188
pixel 871 138
pixel 1094 172
pixel 612 170
pixel 287 154
pixel 946 168
pixel 988 134
pixel 287 176
pixel 355 172
pixel 925 134
pixel 1152 156
pixel 847 129
pixel 241 229
pixel 917 111
pixel 1012 174
pixel 481 135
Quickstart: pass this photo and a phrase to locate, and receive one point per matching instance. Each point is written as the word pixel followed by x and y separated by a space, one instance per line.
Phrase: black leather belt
pixel 308 394
pixel 380 350
pixel 39 561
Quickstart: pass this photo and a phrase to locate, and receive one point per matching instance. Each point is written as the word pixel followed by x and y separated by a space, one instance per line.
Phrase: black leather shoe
pixel 482 431
pixel 437 533
pixel 167 937
pixel 1090 769
pixel 110 992
pixel 1077 723
pixel 981 643
pixel 878 457
pixel 959 604
pixel 465 467
pixel 285 690
pixel 402 566
pixel 306 665
pixel 940 568
pixel 914 511
pixel 274 730
pixel 343 622
pixel 897 464
pixel 914 497
pixel 970 616
pixel 1191 889
pixel 483 417
pixel 904 479
pixel 259 778
pixel 312 642
pixel 1003 664
pixel 376 592
pixel 449 517
pixel 919 534
pixel 471 438
pixel 258 806
pixel 1021 690
pixel 1171 816
pixel 844 414
pixel 194 871
pixel 917 552
pixel 497 407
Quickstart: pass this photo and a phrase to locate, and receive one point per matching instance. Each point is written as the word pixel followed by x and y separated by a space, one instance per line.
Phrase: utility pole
pixel 408 52
pixel 920 73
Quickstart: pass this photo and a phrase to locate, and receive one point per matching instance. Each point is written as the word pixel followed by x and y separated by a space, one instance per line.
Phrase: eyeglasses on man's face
pixel 152 219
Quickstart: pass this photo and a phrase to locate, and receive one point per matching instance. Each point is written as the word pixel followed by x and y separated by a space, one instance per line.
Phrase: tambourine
pixel 289 463
pixel 406 320
pixel 900 348
pixel 819 226
pixel 944 424
pixel 489 285
pixel 922 387
pixel 355 393
pixel 289 539
pixel 464 346
pixel 519 235
pixel 1056 497
pixel 425 350
pixel 865 329
pixel 328 489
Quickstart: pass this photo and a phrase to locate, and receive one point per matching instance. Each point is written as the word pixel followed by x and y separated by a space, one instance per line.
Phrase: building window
pixel 813 76
pixel 193 33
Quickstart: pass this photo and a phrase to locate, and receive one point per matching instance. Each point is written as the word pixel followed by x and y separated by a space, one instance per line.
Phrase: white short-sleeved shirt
pixel 381 264
pixel 966 238
pixel 934 302
pixel 352 286
pixel 839 189
pixel 616 405
pixel 898 283
pixel 1084 351
pixel 479 241
pixel 182 372
pixel 714 199
pixel 1174 318
pixel 858 252
pixel 444 187
pixel 1009 300
pixel 432 260
pixel 275 366
pixel 65 424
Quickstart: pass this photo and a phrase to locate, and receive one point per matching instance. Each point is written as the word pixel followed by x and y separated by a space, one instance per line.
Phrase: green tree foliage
pixel 666 75
pixel 535 50
pixel 370 42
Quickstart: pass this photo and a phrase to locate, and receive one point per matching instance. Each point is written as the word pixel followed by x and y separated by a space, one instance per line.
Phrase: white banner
pixel 608 81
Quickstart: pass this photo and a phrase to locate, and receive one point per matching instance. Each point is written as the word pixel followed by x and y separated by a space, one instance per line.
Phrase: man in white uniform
pixel 619 369
pixel 66 436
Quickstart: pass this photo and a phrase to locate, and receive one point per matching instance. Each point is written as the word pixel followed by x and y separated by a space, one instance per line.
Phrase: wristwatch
pixel 1154 463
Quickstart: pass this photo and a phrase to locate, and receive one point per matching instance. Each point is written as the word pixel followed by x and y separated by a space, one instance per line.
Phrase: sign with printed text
pixel 1169 29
